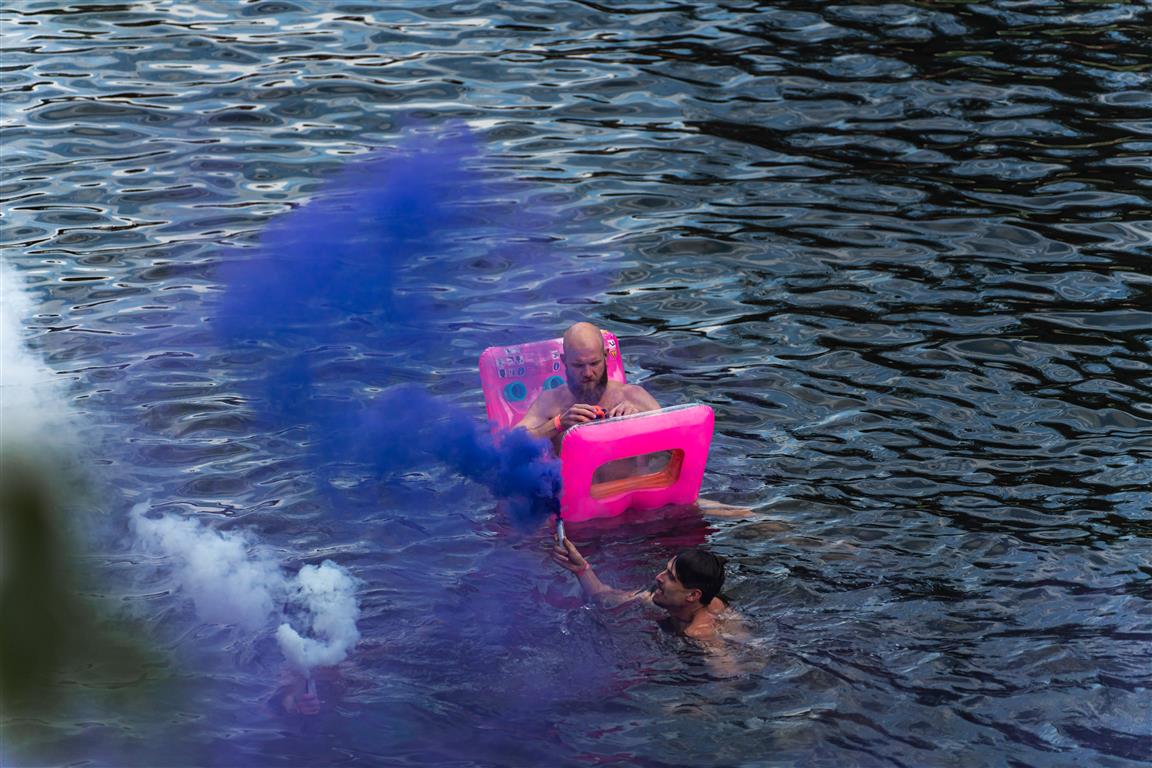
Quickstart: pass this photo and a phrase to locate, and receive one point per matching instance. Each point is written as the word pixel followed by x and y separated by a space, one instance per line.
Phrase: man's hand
pixel 622 408
pixel 308 704
pixel 577 414
pixel 302 704
pixel 568 557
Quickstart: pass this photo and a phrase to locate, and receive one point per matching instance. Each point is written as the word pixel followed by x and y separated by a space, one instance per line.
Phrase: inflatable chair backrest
pixel 513 376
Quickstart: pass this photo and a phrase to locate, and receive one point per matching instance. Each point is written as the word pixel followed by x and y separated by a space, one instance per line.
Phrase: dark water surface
pixel 902 249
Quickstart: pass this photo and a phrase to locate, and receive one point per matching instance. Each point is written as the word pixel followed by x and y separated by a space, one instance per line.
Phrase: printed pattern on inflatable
pixel 513 376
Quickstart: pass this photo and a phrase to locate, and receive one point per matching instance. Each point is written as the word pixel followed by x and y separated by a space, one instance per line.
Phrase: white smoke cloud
pixel 227 580
pixel 34 412
pixel 231 581
pixel 327 595
pixel 227 575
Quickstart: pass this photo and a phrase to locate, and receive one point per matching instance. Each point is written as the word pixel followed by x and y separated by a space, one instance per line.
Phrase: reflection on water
pixel 900 249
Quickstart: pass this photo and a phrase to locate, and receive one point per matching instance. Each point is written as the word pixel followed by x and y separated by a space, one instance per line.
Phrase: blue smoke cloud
pixel 405 425
pixel 326 294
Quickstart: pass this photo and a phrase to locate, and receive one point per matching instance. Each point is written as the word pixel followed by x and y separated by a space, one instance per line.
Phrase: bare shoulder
pixel 723 613
pixel 721 625
pixel 732 625
pixel 638 396
pixel 706 631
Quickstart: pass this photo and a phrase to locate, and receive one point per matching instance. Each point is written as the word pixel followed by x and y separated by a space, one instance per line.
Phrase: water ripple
pixel 900 248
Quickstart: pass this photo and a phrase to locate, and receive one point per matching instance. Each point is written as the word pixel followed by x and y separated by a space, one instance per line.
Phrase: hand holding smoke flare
pixel 231 581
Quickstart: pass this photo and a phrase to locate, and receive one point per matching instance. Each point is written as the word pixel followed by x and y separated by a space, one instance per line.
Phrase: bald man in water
pixel 586 370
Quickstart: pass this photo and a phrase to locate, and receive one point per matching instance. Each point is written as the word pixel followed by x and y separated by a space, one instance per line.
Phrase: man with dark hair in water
pixel 688 589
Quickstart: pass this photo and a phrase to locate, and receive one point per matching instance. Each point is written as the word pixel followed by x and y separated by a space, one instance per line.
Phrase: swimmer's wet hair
pixel 702 570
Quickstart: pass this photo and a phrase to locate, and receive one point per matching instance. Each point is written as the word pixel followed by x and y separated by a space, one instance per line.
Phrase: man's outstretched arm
pixel 538 421
pixel 568 557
